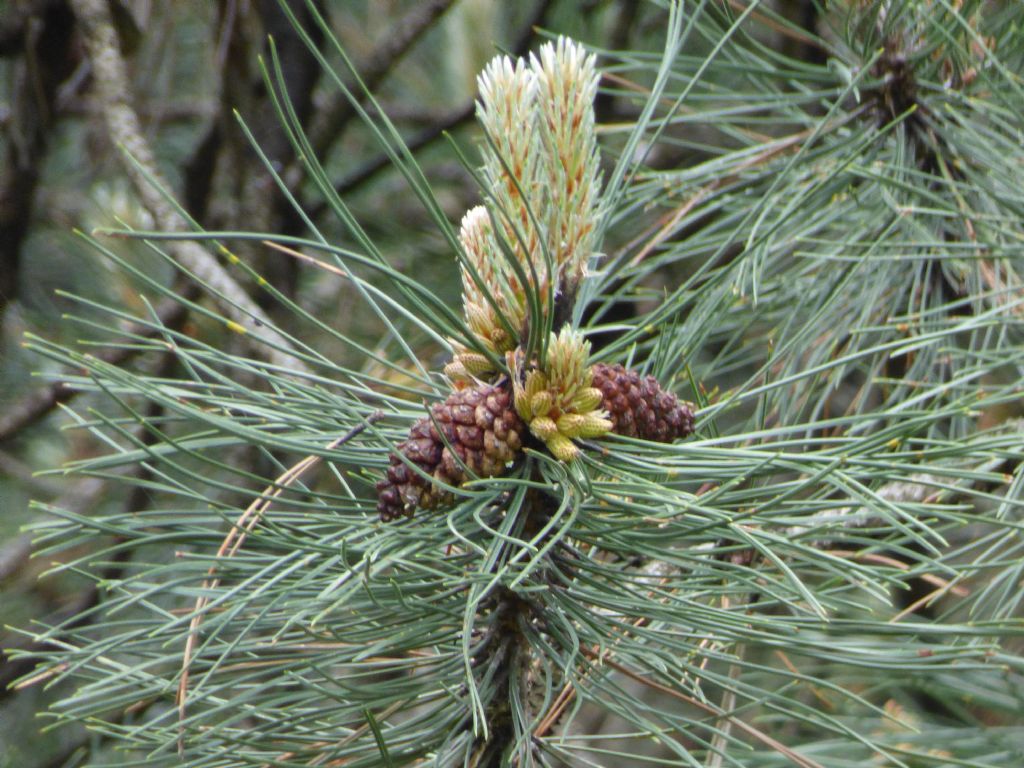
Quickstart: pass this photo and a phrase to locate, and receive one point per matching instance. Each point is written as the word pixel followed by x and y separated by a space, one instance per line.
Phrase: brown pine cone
pixel 639 407
pixel 483 432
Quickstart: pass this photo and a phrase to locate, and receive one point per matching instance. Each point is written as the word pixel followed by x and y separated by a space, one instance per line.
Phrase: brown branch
pixel 169 314
pixel 444 123
pixel 789 30
pixel 14 20
pixel 395 43
pixel 371 168
pixel 159 113
pixel 14 555
pixel 46 43
pixel 259 203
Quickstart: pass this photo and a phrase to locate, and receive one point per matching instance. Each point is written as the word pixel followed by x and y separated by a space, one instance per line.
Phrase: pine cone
pixel 639 407
pixel 483 433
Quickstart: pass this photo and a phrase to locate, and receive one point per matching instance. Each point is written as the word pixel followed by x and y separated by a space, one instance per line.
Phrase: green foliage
pixel 822 250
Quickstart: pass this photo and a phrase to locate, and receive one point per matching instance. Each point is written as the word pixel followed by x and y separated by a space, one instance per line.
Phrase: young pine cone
pixel 483 434
pixel 639 407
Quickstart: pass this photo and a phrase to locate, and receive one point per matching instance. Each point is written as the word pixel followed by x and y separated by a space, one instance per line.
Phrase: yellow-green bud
pixel 587 400
pixel 569 424
pixel 535 382
pixel 478 319
pixel 561 447
pixel 456 371
pixel 521 402
pixel 597 424
pixel 544 427
pixel 540 403
pixel 474 363
pixel 584 425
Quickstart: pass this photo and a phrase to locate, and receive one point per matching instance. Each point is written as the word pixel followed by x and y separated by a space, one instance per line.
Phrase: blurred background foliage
pixel 193 65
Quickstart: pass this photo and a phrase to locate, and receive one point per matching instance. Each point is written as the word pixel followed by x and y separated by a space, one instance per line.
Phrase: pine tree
pixel 771 519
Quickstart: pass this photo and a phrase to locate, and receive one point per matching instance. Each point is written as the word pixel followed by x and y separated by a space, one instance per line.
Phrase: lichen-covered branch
pixel 110 82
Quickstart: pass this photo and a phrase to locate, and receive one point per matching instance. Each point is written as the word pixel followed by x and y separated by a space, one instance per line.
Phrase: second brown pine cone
pixel 639 407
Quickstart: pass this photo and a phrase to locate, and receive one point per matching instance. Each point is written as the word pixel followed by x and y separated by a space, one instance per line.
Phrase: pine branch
pixel 368 170
pixel 249 519
pixel 793 275
pixel 84 609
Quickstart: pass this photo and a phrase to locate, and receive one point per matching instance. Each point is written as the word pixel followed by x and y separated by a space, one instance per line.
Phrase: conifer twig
pixel 764 738
pixel 233 542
